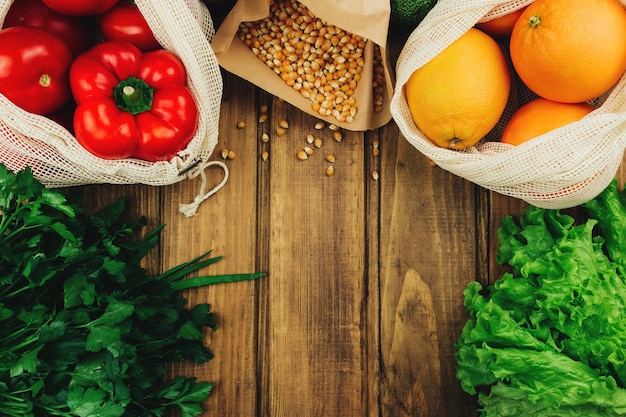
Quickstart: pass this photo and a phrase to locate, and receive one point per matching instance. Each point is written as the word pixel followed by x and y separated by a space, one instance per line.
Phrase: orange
pixel 570 50
pixel 540 116
pixel 500 27
pixel 457 97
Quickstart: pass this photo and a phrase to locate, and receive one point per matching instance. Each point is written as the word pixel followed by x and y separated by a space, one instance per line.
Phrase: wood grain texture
pixel 362 302
pixel 316 273
pixel 428 254
pixel 226 224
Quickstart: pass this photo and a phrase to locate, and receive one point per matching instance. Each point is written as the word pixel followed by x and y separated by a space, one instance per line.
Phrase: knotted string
pixel 190 209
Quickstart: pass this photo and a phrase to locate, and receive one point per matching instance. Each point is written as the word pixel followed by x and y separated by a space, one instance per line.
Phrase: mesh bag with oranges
pixel 571 69
pixel 183 27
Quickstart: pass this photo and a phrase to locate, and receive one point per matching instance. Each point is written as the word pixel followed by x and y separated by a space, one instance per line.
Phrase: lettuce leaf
pixel 609 208
pixel 549 337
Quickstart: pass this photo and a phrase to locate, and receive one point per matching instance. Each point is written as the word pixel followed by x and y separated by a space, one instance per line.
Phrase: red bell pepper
pixel 131 104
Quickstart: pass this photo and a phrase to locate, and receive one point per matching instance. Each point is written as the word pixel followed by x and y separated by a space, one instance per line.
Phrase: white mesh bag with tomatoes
pixel 560 168
pixel 183 27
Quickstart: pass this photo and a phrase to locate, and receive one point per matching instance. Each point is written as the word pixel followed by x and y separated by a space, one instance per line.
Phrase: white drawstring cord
pixel 190 209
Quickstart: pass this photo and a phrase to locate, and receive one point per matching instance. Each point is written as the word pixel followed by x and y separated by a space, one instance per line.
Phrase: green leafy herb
pixel 549 337
pixel 84 329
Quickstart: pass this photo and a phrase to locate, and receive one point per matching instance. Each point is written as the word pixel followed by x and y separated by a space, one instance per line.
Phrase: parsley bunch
pixel 84 329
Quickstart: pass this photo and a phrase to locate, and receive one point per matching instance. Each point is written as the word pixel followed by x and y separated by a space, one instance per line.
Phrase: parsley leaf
pixel 81 317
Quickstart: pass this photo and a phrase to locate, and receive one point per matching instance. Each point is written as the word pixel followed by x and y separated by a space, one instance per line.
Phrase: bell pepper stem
pixel 133 95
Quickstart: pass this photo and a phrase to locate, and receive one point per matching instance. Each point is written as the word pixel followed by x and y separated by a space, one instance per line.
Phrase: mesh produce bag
pixel 58 160
pixel 562 168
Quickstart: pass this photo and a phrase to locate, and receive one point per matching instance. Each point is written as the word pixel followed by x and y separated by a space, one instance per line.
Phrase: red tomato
pixel 80 7
pixel 125 23
pixel 34 69
pixel 77 32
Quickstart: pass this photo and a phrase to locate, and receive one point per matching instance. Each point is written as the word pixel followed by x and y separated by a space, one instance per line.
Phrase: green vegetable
pixel 84 330
pixel 410 12
pixel 549 337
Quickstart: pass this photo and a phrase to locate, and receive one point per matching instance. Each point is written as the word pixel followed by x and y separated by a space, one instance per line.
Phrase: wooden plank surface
pixel 362 302
pixel 428 254
pixel 227 225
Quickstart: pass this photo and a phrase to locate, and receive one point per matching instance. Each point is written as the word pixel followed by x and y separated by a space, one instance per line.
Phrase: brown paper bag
pixel 368 19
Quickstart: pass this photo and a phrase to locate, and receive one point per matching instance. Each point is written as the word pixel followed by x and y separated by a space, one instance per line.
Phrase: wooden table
pixel 362 302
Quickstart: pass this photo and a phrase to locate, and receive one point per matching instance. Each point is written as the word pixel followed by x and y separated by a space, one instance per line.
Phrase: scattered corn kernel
pixel 265 155
pixel 337 136
pixel 308 150
pixel 330 171
pixel 263 118
pixel 375 175
pixel 224 153
pixel 319 125
pixel 284 124
pixel 280 131
pixel 302 155
pixel 265 138
pixel 241 124
pixel 330 158
pixel 317 143
pixel 231 155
